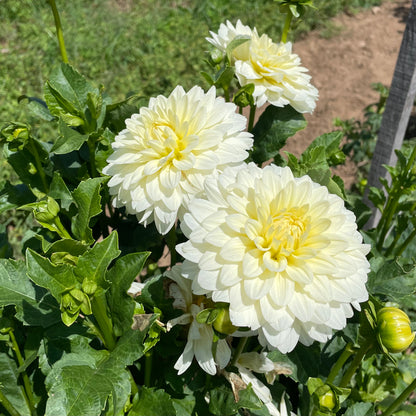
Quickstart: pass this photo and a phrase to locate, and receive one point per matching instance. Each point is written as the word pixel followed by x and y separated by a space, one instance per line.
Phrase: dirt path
pixel 344 67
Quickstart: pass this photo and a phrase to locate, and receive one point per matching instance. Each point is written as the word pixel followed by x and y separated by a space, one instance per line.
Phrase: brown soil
pixel 344 66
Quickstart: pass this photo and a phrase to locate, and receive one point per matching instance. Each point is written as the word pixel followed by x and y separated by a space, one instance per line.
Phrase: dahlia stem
pixel 59 32
pixel 105 325
pixel 148 364
pixel 405 243
pixel 27 390
pixel 406 392
pixel 251 117
pixel 286 27
pixel 240 348
pixel 171 243
pixel 355 363
pixel 336 368
pixel 393 202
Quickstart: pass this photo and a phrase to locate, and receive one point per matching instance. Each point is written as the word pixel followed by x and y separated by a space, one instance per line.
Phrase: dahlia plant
pixel 177 262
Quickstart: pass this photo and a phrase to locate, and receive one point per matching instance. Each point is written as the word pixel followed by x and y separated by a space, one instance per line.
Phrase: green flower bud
pixel 222 323
pixel 327 401
pixel 393 329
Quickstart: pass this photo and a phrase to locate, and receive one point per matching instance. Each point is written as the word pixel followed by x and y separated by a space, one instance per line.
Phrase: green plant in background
pixel 266 263
pixel 360 136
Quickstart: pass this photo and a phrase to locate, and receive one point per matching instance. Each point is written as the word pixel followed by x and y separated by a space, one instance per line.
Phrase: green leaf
pixel 272 130
pixel 120 278
pixel 69 139
pixel 66 94
pixel 13 196
pixel 6 249
pixel 93 265
pixel 360 409
pixel 222 401
pixel 88 200
pixel 152 402
pixel 59 190
pixel 331 143
pixel 9 385
pixel 391 279
pixel 81 385
pixel 153 294
pixel 33 305
pixel 57 279
pixel 37 107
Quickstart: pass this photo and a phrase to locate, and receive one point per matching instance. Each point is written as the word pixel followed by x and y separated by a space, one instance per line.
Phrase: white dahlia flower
pixel 275 71
pixel 161 159
pixel 200 336
pixel 228 32
pixel 282 251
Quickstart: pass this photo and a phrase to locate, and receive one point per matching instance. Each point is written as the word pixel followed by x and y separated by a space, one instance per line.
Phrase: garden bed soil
pixel 363 51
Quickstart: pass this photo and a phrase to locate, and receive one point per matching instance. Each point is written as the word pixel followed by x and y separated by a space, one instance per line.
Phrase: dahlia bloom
pixel 275 71
pixel 200 336
pixel 161 159
pixel 282 251
pixel 228 32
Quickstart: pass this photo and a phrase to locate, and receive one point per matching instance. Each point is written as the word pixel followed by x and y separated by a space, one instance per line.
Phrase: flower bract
pixel 161 159
pixel 282 251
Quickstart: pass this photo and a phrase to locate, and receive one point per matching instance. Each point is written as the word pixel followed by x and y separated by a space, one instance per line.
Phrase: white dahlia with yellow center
pixel 275 71
pixel 282 251
pixel 161 159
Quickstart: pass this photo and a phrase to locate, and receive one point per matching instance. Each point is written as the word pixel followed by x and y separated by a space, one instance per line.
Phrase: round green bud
pixel 327 401
pixel 393 328
pixel 222 323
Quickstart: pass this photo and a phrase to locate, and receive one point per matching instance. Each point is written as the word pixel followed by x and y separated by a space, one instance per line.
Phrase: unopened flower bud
pixel 223 323
pixel 393 328
pixel 327 401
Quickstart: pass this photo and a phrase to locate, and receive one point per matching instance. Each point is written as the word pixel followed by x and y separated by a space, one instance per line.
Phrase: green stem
pixel 336 368
pixel 27 392
pixel 355 363
pixel 226 94
pixel 286 27
pixel 393 202
pixel 171 242
pixel 8 406
pixel 148 368
pixel 59 32
pixel 405 243
pixel 240 348
pixel 91 147
pixel 63 233
pixel 99 310
pixel 39 166
pixel 251 117
pixel 406 392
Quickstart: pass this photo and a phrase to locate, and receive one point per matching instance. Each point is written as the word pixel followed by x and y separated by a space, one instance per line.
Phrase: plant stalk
pixel 286 27
pixel 406 392
pixel 59 31
pixel 39 166
pixel 355 363
pixel 148 368
pixel 251 117
pixel 99 310
pixel 27 391
pixel 336 368
pixel 171 239
pixel 405 243
pixel 240 348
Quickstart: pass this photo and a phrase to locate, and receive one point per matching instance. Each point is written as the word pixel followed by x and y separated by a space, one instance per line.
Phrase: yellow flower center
pixel 171 142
